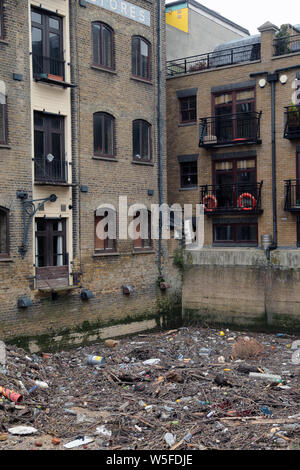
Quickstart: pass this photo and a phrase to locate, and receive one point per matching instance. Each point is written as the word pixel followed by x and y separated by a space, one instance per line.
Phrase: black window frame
pixel 6 253
pixel 49 234
pixel 191 173
pixel 105 249
pixel 44 62
pixel 137 73
pixel 103 115
pixel 60 172
pixel 142 244
pixel 3 111
pixel 101 64
pixel 235 241
pixel 190 109
pixel 141 123
pixel 2 32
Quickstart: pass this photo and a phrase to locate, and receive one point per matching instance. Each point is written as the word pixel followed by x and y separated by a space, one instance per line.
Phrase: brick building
pixel 79 127
pixel 233 145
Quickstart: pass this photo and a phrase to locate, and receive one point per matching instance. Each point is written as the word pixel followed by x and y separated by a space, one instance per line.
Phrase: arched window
pixel 141 58
pixel 141 140
pixel 4 233
pixel 104 135
pixel 143 227
pixel 105 230
pixel 3 114
pixel 103 45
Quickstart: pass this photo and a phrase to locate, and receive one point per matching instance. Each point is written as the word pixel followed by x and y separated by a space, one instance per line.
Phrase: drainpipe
pixel 272 78
pixel 159 122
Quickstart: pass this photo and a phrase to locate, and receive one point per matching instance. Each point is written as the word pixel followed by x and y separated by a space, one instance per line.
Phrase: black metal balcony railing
pixel 48 67
pixel 215 59
pixel 50 172
pixel 232 198
pixel 292 195
pixel 230 129
pixel 287 45
pixel 292 122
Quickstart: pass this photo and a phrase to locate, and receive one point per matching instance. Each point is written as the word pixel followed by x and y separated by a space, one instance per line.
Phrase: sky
pixel 253 14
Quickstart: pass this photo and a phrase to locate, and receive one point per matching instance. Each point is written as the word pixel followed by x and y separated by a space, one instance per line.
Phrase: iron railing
pixel 292 195
pixel 287 45
pixel 243 197
pixel 50 172
pixel 48 67
pixel 211 60
pixel 241 128
pixel 292 122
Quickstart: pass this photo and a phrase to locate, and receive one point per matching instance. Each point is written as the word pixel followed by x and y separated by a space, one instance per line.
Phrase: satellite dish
pixel 50 157
pixel 283 79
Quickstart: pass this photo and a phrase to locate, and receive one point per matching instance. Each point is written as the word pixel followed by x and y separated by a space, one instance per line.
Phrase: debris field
pixel 186 389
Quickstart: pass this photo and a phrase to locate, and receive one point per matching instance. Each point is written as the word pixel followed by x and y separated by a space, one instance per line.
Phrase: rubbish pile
pixel 186 389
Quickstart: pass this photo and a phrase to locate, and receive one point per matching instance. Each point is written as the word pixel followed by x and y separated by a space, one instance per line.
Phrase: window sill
pixel 105 159
pixel 52 82
pixel 103 69
pixel 187 124
pixel 5 146
pixel 2 41
pixel 143 252
pixel 6 260
pixel 100 255
pixel 194 188
pixel 134 162
pixel 142 80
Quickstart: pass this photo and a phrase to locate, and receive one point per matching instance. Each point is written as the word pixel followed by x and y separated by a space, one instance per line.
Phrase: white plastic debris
pixel 41 384
pixel 2 353
pixel 270 377
pixel 151 362
pixel 102 430
pixel 221 360
pixel 170 439
pixel 79 442
pixel 22 430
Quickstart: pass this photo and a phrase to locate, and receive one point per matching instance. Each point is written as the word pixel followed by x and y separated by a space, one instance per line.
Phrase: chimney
pixel 267 32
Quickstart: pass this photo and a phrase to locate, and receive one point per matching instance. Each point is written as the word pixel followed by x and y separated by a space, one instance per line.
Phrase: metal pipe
pixel 159 122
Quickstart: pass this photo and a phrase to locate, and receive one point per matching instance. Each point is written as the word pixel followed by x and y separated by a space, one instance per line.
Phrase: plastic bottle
pixel 96 360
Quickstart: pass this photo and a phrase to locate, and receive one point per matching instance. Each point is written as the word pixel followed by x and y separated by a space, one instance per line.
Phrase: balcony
pixel 292 122
pixel 55 172
pixel 212 60
pixel 232 198
pixel 287 45
pixel 49 70
pixel 230 130
pixel 292 195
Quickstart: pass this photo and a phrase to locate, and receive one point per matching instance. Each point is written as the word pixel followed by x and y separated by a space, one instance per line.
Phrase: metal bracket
pixel 30 208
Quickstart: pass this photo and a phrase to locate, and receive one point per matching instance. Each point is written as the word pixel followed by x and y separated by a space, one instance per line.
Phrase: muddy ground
pixel 197 395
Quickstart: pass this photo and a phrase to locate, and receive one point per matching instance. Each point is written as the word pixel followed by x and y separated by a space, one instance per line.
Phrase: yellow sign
pixel 178 19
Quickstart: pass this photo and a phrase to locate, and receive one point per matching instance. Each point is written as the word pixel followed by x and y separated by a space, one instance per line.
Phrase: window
pixel 3 114
pixel 47 44
pixel 50 242
pixel 103 45
pixel 103 241
pixel 141 58
pixel 49 155
pixel 104 135
pixel 144 241
pixel 188 109
pixel 189 175
pixel 241 104
pixel 4 233
pixel 1 20
pixel 241 233
pixel 141 141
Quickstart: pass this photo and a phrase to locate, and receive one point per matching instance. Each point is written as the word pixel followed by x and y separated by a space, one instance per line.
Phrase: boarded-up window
pixel 3 111
pixel 3 232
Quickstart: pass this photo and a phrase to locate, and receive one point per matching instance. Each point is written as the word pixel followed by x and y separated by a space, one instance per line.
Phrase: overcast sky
pixel 254 13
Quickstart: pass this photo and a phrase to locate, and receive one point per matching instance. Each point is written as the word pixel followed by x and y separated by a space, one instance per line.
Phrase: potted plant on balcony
pixel 293 116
